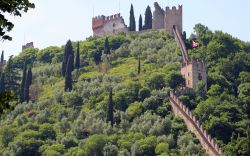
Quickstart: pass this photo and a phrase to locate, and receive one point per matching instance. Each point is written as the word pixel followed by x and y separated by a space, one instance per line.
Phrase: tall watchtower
pixel 173 17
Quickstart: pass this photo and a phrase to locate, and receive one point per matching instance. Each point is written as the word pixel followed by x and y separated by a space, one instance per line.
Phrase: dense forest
pixel 109 96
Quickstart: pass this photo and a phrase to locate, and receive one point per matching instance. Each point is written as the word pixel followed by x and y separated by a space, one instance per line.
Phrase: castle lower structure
pixel 109 25
pixel 168 18
pixel 28 45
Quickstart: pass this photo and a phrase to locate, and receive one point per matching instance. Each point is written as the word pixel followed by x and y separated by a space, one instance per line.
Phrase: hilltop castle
pixel 167 19
pixel 109 25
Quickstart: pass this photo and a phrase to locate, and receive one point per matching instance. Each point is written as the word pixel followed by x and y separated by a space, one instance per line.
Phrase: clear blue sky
pixel 53 22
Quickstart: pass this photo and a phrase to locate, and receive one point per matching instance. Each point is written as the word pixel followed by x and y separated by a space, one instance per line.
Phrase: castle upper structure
pixel 28 45
pixel 109 25
pixel 168 18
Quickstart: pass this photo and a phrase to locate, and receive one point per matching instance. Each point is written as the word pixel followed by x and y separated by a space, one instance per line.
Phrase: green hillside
pixel 55 122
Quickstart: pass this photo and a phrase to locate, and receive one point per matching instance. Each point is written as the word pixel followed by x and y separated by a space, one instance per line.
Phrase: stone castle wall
pixel 158 17
pixel 207 142
pixel 109 25
pixel 28 45
pixel 173 17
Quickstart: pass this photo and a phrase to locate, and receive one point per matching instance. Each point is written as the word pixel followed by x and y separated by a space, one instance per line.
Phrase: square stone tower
pixel 193 72
pixel 173 17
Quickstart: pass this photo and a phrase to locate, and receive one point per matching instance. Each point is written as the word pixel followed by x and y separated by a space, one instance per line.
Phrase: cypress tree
pixel 110 109
pixel 68 75
pixel 139 65
pixel 148 19
pixel 2 57
pixel 77 61
pixel 132 25
pixel 67 52
pixel 106 47
pixel 28 82
pixel 23 82
pixel 140 23
pixel 248 139
pixel 2 84
pixel 11 77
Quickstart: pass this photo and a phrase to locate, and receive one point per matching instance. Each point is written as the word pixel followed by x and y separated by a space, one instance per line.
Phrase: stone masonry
pixel 28 45
pixel 109 25
pixel 193 72
pixel 158 17
pixel 168 18
pixel 207 142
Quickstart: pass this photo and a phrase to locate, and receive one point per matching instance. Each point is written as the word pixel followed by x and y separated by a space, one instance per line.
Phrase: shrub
pixel 162 148
pixel 156 81
pixel 144 93
pixel 94 145
pixel 72 99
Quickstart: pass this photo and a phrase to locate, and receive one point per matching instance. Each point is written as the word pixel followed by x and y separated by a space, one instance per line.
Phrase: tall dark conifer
pixel 139 65
pixel 132 25
pixel 77 61
pixel 148 19
pixel 2 57
pixel 68 75
pixel 110 109
pixel 140 23
pixel 2 83
pixel 106 47
pixel 11 77
pixel 67 52
pixel 28 82
pixel 23 82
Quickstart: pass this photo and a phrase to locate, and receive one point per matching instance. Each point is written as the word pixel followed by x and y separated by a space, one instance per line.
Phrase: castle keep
pixel 109 25
pixel 168 18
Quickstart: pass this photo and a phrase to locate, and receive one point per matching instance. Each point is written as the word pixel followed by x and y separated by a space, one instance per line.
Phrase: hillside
pixel 56 122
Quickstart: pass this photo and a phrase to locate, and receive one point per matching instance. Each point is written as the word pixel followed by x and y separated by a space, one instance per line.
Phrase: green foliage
pixel 110 109
pixel 7 135
pixel 68 74
pixel 156 81
pixel 110 150
pixel 94 145
pixel 77 60
pixel 47 132
pixel 144 93
pixel 148 19
pixel 15 8
pixel 74 123
pixel 140 23
pixel 162 148
pixel 132 25
pixel 5 99
pixel 49 54
pixel 175 80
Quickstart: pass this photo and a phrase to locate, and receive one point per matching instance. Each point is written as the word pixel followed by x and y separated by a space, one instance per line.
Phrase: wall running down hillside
pixel 194 126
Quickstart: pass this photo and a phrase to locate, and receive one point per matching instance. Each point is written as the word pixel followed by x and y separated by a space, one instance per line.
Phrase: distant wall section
pixel 109 25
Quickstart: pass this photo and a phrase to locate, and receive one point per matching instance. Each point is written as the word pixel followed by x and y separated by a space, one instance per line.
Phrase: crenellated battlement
pixel 108 25
pixel 193 125
pixel 103 19
pixel 179 9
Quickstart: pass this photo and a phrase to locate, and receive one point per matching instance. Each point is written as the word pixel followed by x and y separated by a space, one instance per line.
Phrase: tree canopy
pixel 15 8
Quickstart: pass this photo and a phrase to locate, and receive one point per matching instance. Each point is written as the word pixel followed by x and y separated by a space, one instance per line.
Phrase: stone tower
pixel 193 72
pixel 158 17
pixel 173 17
pixel 109 25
